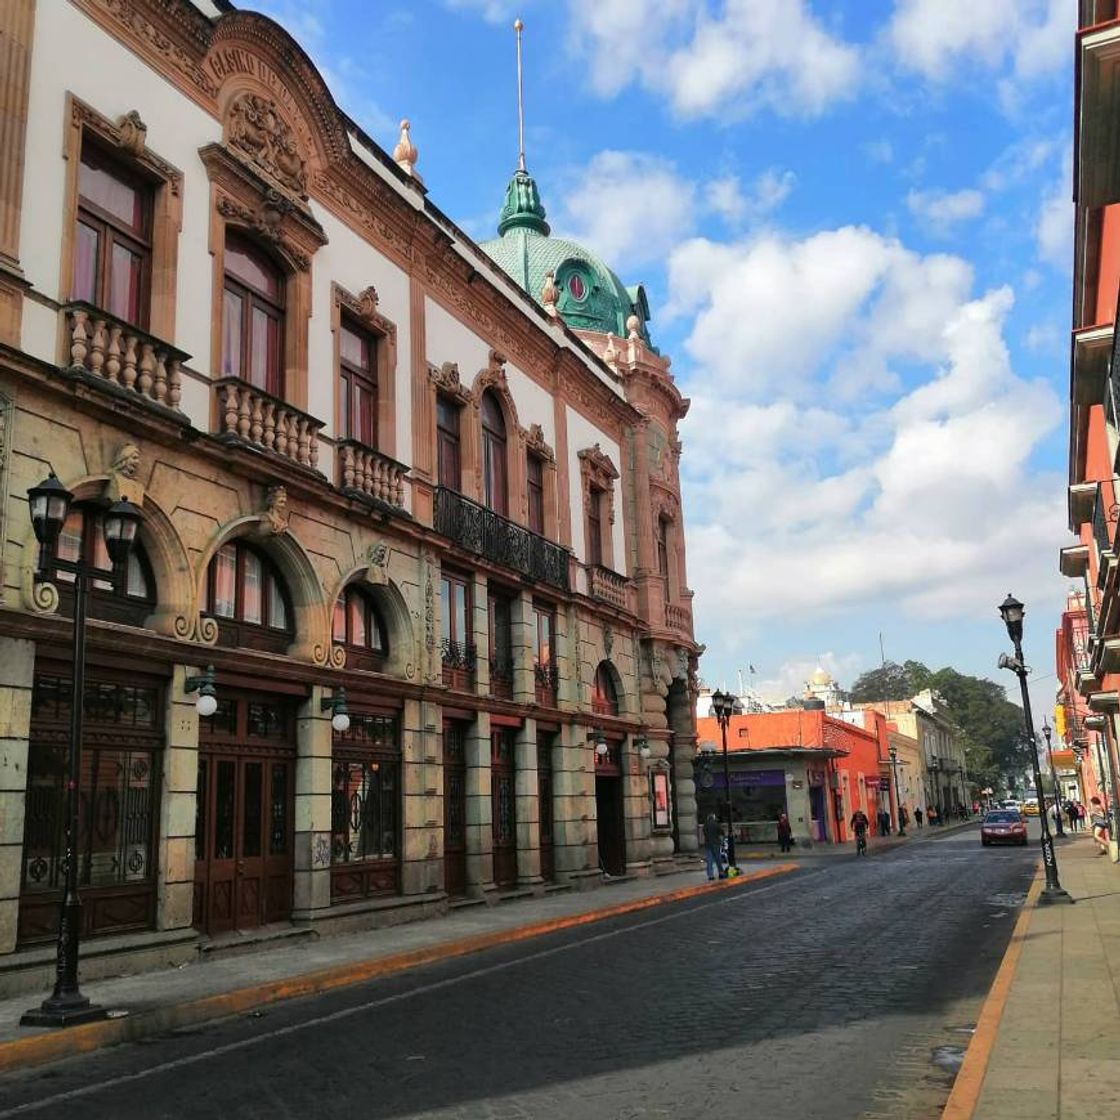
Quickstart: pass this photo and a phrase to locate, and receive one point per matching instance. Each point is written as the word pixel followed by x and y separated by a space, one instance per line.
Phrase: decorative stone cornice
pixel 257 129
pixel 129 133
pixel 599 472
pixel 535 443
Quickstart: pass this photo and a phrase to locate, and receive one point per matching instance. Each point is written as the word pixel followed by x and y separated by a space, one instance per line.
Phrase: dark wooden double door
pixel 455 807
pixel 503 806
pixel 243 864
pixel 244 828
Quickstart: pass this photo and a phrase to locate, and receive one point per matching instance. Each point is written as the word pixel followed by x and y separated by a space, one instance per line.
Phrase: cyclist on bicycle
pixel 860 825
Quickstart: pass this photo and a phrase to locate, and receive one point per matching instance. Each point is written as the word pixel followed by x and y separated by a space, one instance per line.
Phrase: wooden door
pixel 503 807
pixel 243 855
pixel 454 808
pixel 545 742
pixel 611 824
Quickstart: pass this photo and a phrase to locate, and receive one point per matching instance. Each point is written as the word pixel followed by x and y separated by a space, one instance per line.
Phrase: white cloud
pixel 752 53
pixel 915 495
pixel 1054 224
pixel 633 208
pixel 493 11
pixel 944 210
pixel 878 151
pixel 1022 39
pixel 725 197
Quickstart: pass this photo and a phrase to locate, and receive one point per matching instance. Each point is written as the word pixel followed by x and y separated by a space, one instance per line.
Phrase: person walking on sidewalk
pixel 918 816
pixel 713 840
pixel 1074 818
pixel 1098 819
pixel 785 833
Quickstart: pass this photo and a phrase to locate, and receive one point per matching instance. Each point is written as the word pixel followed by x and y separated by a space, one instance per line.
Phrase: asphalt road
pixel 844 991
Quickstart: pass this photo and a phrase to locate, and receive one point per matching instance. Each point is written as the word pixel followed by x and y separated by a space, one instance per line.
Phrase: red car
pixel 1003 826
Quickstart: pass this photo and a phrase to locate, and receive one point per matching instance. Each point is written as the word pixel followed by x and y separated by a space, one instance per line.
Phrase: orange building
pixel 1094 672
pixel 816 767
pixel 1078 749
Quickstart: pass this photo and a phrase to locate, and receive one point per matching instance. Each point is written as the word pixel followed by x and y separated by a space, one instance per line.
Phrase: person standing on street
pixel 918 816
pixel 713 839
pixel 1098 819
pixel 785 833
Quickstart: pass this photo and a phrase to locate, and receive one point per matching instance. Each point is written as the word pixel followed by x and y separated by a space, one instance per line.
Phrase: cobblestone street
pixel 843 991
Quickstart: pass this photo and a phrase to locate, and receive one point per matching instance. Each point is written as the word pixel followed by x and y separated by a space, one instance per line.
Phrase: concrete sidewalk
pixel 155 1002
pixel 848 848
pixel 1047 1046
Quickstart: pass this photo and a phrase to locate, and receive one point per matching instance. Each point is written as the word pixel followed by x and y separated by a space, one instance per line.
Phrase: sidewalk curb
pixel 55 1045
pixel 970 1080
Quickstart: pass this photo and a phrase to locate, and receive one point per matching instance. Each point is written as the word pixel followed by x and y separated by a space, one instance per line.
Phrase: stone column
pixel 574 831
pixel 684 751
pixel 311 889
pixel 17 674
pixel 178 807
pixel 636 810
pixel 568 656
pixel 799 808
pixel 524 653
pixel 480 633
pixel 480 836
pixel 421 799
pixel 527 792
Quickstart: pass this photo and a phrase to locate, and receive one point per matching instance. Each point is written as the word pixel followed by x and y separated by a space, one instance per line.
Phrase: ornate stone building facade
pixel 367 458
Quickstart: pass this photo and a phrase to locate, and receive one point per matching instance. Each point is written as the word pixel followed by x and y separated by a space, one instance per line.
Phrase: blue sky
pixel 853 218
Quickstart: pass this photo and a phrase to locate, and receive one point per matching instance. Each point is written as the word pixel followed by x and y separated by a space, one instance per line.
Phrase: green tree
pixel 890 681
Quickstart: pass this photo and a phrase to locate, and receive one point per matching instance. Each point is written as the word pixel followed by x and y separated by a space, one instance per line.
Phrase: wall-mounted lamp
pixel 642 743
pixel 207 702
pixel 600 740
pixel 340 714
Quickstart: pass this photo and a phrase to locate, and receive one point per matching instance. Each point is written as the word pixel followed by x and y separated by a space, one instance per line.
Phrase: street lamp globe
pixel 50 505
pixel 122 519
pixel 1012 611
pixel 206 704
pixel 723 703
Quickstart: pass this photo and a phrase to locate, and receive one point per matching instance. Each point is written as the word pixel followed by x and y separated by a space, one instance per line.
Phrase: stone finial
pixel 550 294
pixel 405 153
pixel 633 323
pixel 610 354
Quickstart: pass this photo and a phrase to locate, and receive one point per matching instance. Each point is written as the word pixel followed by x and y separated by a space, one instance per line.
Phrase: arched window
pixel 495 487
pixel 604 698
pixel 83 538
pixel 663 552
pixel 358 623
pixel 253 317
pixel 244 587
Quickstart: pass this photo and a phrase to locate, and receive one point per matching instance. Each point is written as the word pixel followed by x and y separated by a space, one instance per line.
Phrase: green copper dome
pixel 591 296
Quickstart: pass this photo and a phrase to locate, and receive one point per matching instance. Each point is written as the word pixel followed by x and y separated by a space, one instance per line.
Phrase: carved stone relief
pixel 256 128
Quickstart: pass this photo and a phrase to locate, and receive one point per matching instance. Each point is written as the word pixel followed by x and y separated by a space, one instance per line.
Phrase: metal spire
pixel 518 26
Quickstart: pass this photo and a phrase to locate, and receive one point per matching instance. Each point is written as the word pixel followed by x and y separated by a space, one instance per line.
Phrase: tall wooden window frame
pixel 87 126
pixel 595 551
pixel 500 620
pixel 357 624
pixel 534 491
pixel 449 442
pixel 254 298
pixel 495 454
pixel 663 552
pixel 359 314
pixel 546 670
pixel 112 234
pixel 604 694
pixel 357 388
pixel 598 475
pixel 457 629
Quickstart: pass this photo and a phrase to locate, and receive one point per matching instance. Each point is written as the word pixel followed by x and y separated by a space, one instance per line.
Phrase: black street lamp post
pixel 723 707
pixel 50 504
pixel 901 829
pixel 1012 611
pixel 1047 731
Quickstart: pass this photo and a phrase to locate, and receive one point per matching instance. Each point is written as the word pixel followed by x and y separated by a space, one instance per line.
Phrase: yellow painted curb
pixel 966 1088
pixel 39 1049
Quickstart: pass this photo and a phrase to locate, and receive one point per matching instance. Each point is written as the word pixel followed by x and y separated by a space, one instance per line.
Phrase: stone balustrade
pixel 609 586
pixel 367 472
pixel 678 618
pixel 250 415
pixel 122 355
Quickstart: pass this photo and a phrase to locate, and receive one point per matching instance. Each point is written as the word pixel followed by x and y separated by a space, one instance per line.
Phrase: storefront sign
pixel 747 778
pixel 660 782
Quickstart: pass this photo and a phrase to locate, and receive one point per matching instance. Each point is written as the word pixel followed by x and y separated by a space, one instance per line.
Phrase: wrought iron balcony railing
pixel 495 538
pixel 122 355
pixel 1104 513
pixel 250 415
pixel 501 674
pixel 459 655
